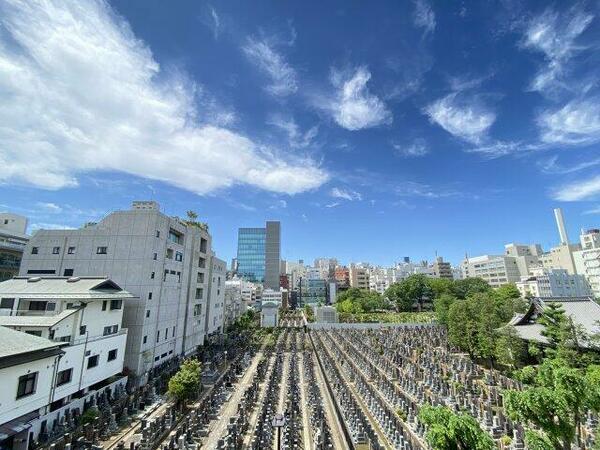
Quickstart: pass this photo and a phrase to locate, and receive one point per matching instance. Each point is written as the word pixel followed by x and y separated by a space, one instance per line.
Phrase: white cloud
pixel 280 204
pixel 593 211
pixel 578 190
pixel 346 194
pixel 51 207
pixel 467 119
pixel 415 189
pixel 92 98
pixel 216 22
pixel 283 76
pixel 550 166
pixel 353 107
pixel 296 137
pixel 332 205
pixel 49 226
pixel 424 17
pixel 555 36
pixel 578 122
pixel 415 149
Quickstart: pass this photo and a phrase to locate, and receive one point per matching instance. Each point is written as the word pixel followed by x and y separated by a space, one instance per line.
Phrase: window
pixel 164 355
pixel 157 233
pixel 147 313
pixel 112 355
pixel 156 358
pixel 34 250
pixel 169 253
pixel 152 276
pixel 155 257
pixel 27 385
pixel 35 332
pixel 145 339
pixel 197 310
pixel 199 293
pixel 7 303
pixel 173 332
pixel 166 333
pixel 112 329
pixel 104 303
pixel 71 250
pixel 64 377
pixel 116 304
pixel 68 273
pixel 203 245
pixel 37 306
pixel 157 335
pixel 55 250
pixel 92 361
pixel 202 263
pixel 178 256
pixel 175 237
pixel 41 272
pixel 200 278
pixel 82 330
pixel 149 295
pixel 101 250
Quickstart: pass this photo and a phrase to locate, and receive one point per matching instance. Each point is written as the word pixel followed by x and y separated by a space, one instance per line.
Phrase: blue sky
pixel 372 131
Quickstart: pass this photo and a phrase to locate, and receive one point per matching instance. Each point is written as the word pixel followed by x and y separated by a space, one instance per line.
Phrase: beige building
pixel 359 277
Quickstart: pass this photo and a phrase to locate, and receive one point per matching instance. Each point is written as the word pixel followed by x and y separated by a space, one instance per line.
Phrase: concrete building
pixel 216 298
pixel 553 283
pixel 234 307
pixel 342 277
pixel 82 313
pixel 13 239
pixel 326 267
pixel 527 257
pixel 162 260
pixel 269 315
pixel 497 270
pixel 326 314
pixel 587 260
pixel 314 291
pixel 441 269
pixel 259 254
pixel 271 295
pixel 359 277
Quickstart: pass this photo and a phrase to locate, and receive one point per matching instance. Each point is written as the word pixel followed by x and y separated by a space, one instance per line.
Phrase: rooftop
pixel 17 342
pixel 63 287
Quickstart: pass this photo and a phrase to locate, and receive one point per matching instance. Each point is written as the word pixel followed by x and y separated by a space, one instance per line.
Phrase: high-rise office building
pixel 259 254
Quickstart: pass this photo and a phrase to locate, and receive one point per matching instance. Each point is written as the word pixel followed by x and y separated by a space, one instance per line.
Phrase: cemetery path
pixel 261 397
pixel 218 428
pixel 337 430
pixel 307 435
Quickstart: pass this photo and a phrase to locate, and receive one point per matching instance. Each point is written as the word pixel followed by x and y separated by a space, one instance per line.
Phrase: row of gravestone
pixel 398 433
pixel 321 430
pixel 355 419
pixel 420 382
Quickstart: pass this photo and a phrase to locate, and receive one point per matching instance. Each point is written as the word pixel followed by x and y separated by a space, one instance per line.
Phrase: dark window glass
pixel 27 384
pixel 112 355
pixel 68 273
pixel 64 376
pixel 92 361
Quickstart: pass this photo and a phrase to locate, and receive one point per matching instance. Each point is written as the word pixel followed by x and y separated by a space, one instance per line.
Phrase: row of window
pixel 102 250
pixel 28 383
pixel 145 339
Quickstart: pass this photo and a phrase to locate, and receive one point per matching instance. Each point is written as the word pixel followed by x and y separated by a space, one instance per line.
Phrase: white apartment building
pixel 497 270
pixel 216 297
pixel 85 315
pixel 587 260
pixel 271 295
pixel 161 260
pixel 13 239
pixel 553 283
pixel 234 306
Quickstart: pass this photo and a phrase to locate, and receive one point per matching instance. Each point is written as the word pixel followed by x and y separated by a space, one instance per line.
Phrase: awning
pixel 17 425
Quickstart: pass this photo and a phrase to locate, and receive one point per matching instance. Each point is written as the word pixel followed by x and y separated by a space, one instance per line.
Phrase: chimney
pixel 560 223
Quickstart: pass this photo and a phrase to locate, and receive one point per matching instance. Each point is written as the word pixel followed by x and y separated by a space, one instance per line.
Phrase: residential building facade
pixel 497 270
pixel 553 283
pixel 163 261
pixel 587 260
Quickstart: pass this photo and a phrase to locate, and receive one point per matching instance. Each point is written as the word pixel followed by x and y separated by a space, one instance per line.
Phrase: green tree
pixel 447 430
pixel 185 383
pixel 511 350
pixel 440 286
pixel 469 286
pixel 441 306
pixel 412 290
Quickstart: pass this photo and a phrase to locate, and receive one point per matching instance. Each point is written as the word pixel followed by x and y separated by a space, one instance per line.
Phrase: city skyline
pixel 397 140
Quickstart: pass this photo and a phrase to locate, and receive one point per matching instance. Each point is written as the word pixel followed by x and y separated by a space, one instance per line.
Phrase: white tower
pixel 560 223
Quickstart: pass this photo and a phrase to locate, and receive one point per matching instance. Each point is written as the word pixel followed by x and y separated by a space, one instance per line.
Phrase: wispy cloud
pixel 49 206
pixel 578 122
pixel 346 194
pixel 464 117
pixel 261 52
pixel 415 189
pixel 550 166
pixel 592 211
pixel 332 205
pixel 424 17
pixel 416 148
pixel 556 37
pixel 92 98
pixel 279 204
pixel 353 106
pixel 296 137
pixel 578 190
pixel 216 22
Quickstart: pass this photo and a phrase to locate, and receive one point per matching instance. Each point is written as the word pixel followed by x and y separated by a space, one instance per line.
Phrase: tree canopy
pixel 358 301
pixel 185 383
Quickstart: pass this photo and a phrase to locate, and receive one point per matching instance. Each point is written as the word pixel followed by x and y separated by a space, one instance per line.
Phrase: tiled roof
pixel 18 342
